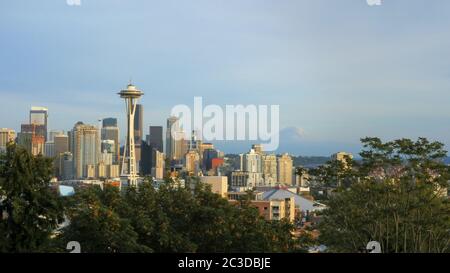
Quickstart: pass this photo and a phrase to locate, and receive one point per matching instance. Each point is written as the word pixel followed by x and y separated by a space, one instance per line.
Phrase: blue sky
pixel 340 70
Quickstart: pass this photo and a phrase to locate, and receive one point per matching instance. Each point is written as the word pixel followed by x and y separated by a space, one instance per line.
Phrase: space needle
pixel 131 96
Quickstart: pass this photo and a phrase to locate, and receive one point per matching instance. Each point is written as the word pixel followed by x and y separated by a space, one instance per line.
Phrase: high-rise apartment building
pixel 342 157
pixel 242 180
pixel 86 149
pixel 251 165
pixel 269 169
pixel 251 162
pixel 258 148
pixel 6 136
pixel 285 168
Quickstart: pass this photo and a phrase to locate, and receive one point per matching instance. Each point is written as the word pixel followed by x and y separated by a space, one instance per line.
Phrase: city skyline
pixel 345 70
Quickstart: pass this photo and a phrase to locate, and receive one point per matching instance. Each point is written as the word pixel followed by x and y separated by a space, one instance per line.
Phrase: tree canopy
pixel 396 195
pixel 29 209
pixel 170 219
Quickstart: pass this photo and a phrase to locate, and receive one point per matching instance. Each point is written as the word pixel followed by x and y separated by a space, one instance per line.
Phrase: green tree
pixel 96 224
pixel 171 219
pixel 333 176
pixel 395 198
pixel 30 210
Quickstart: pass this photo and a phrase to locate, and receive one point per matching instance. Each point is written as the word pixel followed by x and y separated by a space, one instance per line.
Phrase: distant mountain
pixel 310 161
pixel 305 161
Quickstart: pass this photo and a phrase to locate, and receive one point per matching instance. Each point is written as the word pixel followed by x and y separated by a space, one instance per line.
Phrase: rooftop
pixel 301 202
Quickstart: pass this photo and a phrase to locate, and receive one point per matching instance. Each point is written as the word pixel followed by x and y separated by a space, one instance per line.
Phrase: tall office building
pixel 53 133
pixel 149 147
pixel 192 162
pixel 156 138
pixel 175 142
pixel 208 156
pixel 31 138
pixel 36 129
pixel 146 162
pixel 139 124
pixel 86 149
pixel 109 122
pixel 138 134
pixel 49 149
pixel 172 125
pixel 202 146
pixel 158 169
pixel 285 168
pixel 70 137
pixel 39 116
pixel 61 143
pixel 66 166
pixel 181 146
pixel 112 133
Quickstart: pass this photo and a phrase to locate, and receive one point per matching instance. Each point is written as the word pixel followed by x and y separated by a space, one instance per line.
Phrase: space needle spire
pixel 131 96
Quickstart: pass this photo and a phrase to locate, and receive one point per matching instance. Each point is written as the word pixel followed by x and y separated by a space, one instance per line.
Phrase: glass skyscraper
pixel 39 116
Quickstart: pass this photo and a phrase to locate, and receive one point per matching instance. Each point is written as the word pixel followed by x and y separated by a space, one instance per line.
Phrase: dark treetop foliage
pixel 29 209
pixel 169 219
